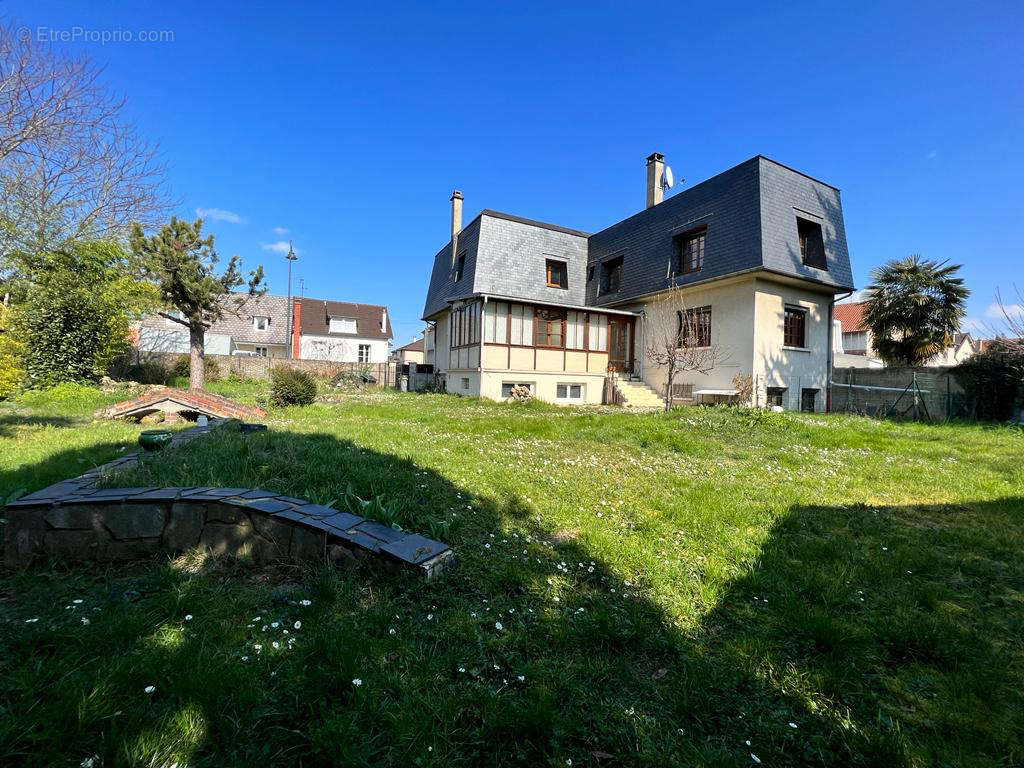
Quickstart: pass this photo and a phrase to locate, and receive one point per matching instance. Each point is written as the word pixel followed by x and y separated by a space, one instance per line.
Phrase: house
pixel 858 348
pixel 413 352
pixel 254 325
pixel 259 325
pixel 759 252
pixel 341 332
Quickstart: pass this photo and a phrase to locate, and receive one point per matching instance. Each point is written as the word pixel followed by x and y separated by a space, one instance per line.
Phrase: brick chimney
pixel 655 167
pixel 296 325
pixel 456 221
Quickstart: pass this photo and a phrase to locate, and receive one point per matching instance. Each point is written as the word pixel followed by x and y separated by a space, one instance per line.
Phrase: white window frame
pixel 360 350
pixel 262 351
pixel 568 392
pixel 340 324
pixel 258 325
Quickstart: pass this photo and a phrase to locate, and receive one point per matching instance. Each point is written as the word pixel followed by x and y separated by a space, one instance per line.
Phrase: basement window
pixel 812 245
pixel 557 273
pixel 572 393
pixel 775 396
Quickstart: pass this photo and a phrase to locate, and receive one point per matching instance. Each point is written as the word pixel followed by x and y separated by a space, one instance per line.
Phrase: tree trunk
pixel 197 352
pixel 668 386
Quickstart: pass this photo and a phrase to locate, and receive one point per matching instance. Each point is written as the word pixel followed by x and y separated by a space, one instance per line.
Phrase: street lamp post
pixel 291 311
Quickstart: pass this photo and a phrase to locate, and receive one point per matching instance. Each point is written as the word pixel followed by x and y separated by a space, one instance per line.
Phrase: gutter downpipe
pixel 831 347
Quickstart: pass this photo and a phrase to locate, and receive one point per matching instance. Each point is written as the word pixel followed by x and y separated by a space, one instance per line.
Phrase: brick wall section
pixel 75 521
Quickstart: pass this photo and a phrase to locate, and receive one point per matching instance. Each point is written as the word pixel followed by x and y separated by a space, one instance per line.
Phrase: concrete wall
pixel 545 385
pixel 341 350
pixel 732 332
pixel 174 340
pixel 776 365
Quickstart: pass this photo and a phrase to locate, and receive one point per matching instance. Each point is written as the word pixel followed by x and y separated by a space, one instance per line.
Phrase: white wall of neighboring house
pixel 952 355
pixel 175 341
pixel 341 350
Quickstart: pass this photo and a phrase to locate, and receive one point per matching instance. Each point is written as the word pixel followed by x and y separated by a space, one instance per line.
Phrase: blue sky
pixel 350 128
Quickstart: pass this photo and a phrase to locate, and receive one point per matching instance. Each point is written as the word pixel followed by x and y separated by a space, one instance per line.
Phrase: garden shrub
pixel 289 386
pixel 11 353
pixel 182 367
pixel 993 381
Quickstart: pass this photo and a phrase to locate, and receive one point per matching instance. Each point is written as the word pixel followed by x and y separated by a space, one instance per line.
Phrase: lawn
pixel 706 587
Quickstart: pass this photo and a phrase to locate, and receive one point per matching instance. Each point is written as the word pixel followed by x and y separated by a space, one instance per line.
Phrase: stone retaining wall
pixel 74 520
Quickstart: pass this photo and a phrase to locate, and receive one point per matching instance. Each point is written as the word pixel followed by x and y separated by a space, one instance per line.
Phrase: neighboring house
pixel 760 251
pixel 341 332
pixel 858 346
pixel 256 325
pixel 412 352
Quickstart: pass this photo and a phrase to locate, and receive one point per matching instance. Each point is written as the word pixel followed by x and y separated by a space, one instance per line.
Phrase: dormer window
pixel 557 274
pixel 812 245
pixel 611 276
pixel 260 322
pixel 342 325
pixel 460 266
pixel 690 252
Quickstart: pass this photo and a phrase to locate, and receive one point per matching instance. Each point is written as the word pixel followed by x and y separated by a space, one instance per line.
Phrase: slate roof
pixel 238 319
pixel 316 314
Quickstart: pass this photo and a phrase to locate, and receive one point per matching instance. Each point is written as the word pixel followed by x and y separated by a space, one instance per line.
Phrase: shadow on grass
pixel 884 635
pixel 9 422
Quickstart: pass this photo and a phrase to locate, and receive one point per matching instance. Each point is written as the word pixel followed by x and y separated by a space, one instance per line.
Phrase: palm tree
pixel 914 306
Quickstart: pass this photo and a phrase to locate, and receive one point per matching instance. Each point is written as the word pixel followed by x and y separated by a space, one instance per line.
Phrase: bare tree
pixel 1013 317
pixel 71 166
pixel 678 338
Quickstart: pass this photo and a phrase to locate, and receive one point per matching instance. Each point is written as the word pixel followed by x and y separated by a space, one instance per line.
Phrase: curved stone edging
pixel 74 520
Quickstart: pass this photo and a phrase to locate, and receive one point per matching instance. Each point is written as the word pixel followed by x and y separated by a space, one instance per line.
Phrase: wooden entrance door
pixel 620 347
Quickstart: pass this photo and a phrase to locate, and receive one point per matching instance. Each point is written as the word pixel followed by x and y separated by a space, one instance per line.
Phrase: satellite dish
pixel 666 178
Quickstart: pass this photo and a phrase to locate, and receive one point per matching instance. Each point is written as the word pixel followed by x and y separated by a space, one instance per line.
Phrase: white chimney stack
pixel 655 168
pixel 384 321
pixel 456 221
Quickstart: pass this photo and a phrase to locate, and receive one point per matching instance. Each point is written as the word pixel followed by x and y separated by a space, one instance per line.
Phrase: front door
pixel 620 351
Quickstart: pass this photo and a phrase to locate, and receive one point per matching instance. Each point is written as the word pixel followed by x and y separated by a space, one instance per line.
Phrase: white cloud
pixel 1013 310
pixel 219 214
pixel 280 230
pixel 933 154
pixel 975 326
pixel 281 246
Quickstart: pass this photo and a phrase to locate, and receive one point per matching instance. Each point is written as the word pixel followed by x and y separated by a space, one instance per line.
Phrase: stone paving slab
pixel 74 518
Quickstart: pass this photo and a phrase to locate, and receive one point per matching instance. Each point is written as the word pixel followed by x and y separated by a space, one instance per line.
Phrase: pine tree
pixel 184 265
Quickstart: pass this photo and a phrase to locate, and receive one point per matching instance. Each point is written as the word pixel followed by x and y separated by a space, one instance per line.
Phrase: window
pixel 570 392
pixel 507 387
pixel 460 266
pixel 599 333
pixel 775 395
pixel 260 322
pixel 464 325
pixel 261 351
pixel 496 322
pixel 558 273
pixel 794 332
pixel 521 325
pixel 682 391
pixel 695 327
pixel 855 341
pixel 690 251
pixel 342 325
pixel 812 246
pixel 465 382
pixel 364 353
pixel 590 273
pixel 611 276
pixel 808 400
pixel 575 329
pixel 549 327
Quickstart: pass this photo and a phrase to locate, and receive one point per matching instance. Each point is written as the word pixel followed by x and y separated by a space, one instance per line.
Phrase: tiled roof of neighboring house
pixel 412 346
pixel 851 316
pixel 316 315
pixel 238 319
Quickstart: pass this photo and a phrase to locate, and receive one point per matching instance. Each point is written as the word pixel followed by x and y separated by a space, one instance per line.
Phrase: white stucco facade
pixel 342 349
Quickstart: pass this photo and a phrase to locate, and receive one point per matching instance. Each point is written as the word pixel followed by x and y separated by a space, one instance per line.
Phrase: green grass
pixel 669 587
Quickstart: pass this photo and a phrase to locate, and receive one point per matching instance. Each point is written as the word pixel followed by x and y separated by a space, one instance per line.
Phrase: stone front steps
pixel 637 394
